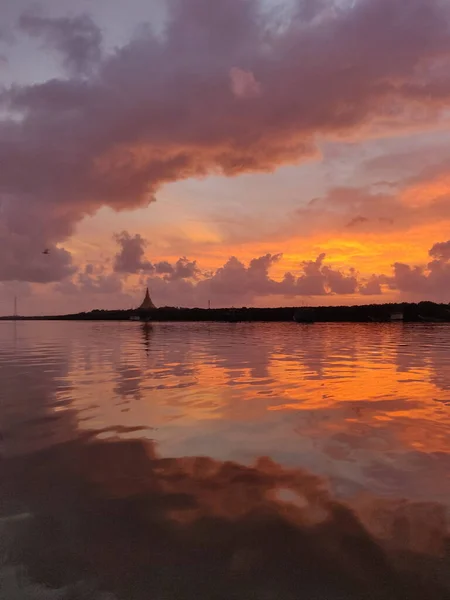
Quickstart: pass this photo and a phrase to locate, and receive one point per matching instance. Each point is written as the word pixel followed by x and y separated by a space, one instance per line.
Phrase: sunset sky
pixel 247 152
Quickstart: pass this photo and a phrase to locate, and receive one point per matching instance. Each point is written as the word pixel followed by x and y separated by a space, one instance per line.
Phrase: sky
pixel 243 152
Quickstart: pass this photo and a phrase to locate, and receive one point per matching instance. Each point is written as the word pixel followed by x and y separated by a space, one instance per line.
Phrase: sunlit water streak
pixel 366 408
pixel 366 405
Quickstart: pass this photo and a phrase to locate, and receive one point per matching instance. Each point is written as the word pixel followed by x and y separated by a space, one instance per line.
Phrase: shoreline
pixel 422 312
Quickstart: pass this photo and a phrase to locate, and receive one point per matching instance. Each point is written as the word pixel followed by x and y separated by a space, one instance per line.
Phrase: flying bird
pixel 46 251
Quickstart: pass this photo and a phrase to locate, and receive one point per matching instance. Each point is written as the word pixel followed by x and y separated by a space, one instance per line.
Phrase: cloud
pixel 357 221
pixel 235 280
pixel 244 84
pixel 431 281
pixel 22 258
pixel 236 283
pixel 131 259
pixel 318 279
pixel 362 209
pixel 183 269
pixel 131 255
pixel 93 281
pixel 99 284
pixel 77 39
pixel 441 251
pixel 162 108
pixel 372 287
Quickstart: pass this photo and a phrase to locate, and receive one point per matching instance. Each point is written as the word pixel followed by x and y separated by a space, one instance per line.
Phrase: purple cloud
pixel 131 260
pixel 372 287
pixel 131 255
pixel 441 251
pixel 77 39
pixel 183 269
pixel 163 108
pixel 238 284
pixel 431 281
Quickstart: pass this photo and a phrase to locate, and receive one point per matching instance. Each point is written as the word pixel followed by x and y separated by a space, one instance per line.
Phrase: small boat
pixel 397 316
pixel 432 319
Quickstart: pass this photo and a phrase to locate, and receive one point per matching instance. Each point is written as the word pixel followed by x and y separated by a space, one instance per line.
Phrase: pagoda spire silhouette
pixel 147 304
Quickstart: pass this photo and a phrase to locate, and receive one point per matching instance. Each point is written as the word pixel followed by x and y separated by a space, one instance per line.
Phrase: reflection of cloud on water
pixel 129 379
pixel 352 456
pixel 141 526
pixel 336 399
pixel 35 407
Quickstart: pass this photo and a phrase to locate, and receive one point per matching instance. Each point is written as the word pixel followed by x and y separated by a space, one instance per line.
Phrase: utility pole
pixel 209 304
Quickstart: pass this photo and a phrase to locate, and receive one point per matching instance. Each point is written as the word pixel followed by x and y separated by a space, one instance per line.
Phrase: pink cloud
pixel 431 281
pixel 372 287
pixel 131 255
pixel 22 258
pixel 91 281
pixel 236 283
pixel 77 39
pixel 131 259
pixel 441 251
pixel 244 84
pixel 364 209
pixel 161 108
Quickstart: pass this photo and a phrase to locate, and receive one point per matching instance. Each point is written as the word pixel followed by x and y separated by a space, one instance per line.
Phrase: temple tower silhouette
pixel 147 304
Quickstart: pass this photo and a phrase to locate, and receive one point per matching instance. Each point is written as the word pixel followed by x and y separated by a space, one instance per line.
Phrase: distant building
pixel 147 304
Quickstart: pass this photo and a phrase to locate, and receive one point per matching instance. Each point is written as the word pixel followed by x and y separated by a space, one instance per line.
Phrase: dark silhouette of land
pixel 420 312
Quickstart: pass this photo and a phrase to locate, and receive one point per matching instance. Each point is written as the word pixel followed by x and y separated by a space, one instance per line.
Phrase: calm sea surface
pixel 196 460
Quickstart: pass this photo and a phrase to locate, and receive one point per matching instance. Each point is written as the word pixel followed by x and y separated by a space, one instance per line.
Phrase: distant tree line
pixel 423 311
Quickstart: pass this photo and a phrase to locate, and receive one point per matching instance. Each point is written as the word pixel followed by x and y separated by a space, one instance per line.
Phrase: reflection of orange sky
pixel 339 399
pixel 337 390
pixel 414 421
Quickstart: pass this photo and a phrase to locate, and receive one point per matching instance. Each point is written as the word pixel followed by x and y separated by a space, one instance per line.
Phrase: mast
pixel 15 307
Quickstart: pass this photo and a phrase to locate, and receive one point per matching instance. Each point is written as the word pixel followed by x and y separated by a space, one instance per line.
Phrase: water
pixel 224 460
